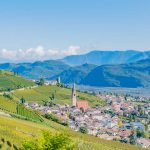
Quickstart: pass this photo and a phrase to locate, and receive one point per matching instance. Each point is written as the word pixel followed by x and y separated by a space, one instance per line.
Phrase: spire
pixel 58 80
pixel 74 86
pixel 74 99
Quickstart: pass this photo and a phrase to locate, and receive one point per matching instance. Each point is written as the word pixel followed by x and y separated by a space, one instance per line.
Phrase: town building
pixel 79 104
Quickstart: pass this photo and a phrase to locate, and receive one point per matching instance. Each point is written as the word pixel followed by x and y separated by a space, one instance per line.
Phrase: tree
pixel 82 110
pixel 132 137
pixel 52 97
pixel 7 95
pixel 120 124
pixel 22 100
pixel 41 82
pixel 50 102
pixel 139 133
pixel 146 126
pixel 49 141
pixel 55 118
pixel 83 130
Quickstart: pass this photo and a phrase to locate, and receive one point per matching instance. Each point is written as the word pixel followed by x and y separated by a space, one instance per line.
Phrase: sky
pixel 49 29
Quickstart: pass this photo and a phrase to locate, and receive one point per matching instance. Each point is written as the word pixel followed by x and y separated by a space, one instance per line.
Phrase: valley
pixel 26 107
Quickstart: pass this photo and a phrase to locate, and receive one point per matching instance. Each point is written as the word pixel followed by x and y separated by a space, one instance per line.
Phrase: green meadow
pixel 62 95
pixel 10 81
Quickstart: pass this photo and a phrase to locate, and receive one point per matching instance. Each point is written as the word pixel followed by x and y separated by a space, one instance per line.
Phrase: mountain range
pixel 97 57
pixel 131 75
pixel 97 68
pixel 75 74
pixel 36 70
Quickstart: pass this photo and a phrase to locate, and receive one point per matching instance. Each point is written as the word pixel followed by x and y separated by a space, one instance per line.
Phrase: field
pixel 17 131
pixel 10 81
pixel 62 95
pixel 18 110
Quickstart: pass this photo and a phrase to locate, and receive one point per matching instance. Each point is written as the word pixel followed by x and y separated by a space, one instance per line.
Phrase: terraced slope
pixel 16 131
pixel 11 81
pixel 62 95
pixel 18 110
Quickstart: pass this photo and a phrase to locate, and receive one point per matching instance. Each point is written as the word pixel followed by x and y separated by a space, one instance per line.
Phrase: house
pixel 50 82
pixel 34 105
pixel 145 143
pixel 82 104
pixel 134 124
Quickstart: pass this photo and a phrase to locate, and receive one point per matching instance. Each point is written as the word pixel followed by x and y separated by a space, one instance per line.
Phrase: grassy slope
pixel 10 81
pixel 11 107
pixel 7 105
pixel 62 95
pixel 16 131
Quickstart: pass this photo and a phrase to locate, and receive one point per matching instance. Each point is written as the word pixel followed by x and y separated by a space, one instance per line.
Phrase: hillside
pixel 51 69
pixel 130 75
pixel 10 81
pixel 75 74
pixel 36 70
pixel 17 131
pixel 127 75
pixel 98 57
pixel 14 130
pixel 62 95
pixel 16 110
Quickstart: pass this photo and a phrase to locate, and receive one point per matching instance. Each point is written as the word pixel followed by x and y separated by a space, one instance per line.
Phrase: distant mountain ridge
pixel 131 75
pixel 36 70
pixel 117 69
pixel 75 74
pixel 98 57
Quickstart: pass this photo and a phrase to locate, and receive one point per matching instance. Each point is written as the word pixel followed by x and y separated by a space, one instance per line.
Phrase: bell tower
pixel 74 99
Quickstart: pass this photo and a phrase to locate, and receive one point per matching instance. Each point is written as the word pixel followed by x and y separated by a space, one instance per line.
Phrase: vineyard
pixel 17 110
pixel 26 124
pixel 16 131
pixel 61 95
pixel 11 81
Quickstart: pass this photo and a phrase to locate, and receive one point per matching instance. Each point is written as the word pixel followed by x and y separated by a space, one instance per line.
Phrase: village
pixel 120 119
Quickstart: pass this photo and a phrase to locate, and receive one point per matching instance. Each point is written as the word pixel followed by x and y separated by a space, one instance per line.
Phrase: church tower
pixel 74 99
pixel 58 80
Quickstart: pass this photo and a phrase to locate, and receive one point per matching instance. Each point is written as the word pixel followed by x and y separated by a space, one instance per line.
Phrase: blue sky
pixel 72 26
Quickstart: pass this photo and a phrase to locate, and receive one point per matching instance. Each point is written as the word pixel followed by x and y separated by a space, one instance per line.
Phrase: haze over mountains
pixel 36 70
pixel 106 57
pixel 97 68
pixel 131 75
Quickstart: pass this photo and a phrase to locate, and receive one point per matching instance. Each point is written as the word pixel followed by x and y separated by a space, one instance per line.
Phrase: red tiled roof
pixel 82 104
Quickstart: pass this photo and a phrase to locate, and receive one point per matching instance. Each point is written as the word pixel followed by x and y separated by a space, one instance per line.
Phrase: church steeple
pixel 74 99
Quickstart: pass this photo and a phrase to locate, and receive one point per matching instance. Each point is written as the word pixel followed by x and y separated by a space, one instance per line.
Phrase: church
pixel 78 103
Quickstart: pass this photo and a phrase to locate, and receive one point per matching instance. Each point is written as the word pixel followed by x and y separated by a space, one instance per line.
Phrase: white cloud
pixel 38 53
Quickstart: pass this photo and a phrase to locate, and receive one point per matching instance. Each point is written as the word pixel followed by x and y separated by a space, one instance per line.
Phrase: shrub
pixel 139 133
pixel 9 143
pixel 83 130
pixel 55 119
pixel 1 146
pixel 7 96
pixel 41 82
pixel 15 147
pixel 3 140
pixel 48 141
